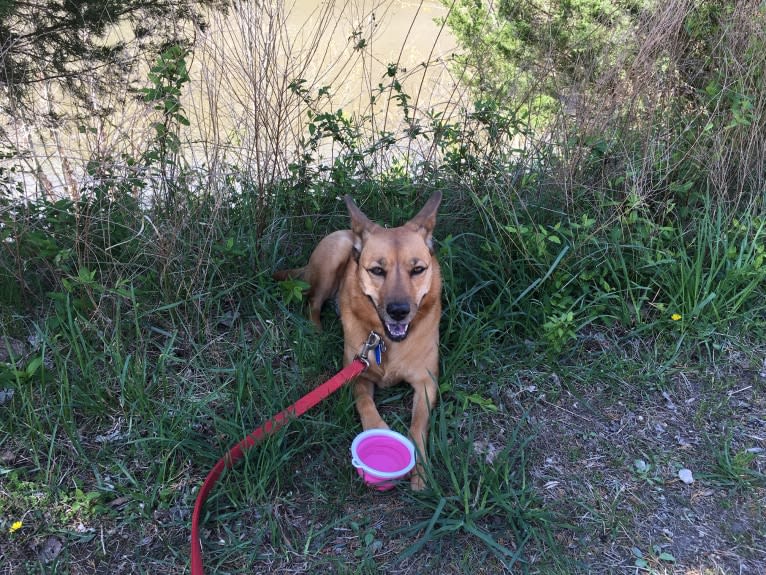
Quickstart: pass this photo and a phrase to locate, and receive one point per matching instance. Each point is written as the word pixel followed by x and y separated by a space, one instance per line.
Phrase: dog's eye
pixel 417 270
pixel 377 271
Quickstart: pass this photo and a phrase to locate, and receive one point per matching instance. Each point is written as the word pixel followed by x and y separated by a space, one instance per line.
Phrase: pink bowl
pixel 381 457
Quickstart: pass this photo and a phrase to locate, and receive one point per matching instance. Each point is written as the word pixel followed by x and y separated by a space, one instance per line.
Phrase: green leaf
pixel 482 402
pixel 665 556
pixel 33 366
pixel 85 275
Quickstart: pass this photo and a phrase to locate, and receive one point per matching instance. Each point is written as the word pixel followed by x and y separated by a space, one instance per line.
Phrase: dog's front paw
pixel 417 483
pixel 417 479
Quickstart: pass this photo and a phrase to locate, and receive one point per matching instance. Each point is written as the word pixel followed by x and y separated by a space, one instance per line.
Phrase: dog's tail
pixel 282 275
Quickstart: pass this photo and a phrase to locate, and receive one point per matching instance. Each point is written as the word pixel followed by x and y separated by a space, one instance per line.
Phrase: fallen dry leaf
pixel 51 549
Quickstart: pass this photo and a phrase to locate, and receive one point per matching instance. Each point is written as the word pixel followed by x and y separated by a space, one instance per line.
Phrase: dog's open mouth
pixel 397 331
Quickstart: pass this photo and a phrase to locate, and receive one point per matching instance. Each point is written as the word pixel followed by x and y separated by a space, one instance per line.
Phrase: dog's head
pixel 396 265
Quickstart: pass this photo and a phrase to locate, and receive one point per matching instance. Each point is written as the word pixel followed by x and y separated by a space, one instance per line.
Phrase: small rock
pixel 228 319
pixel 11 349
pixel 119 502
pixel 6 395
pixel 686 476
pixel 7 457
pixel 682 442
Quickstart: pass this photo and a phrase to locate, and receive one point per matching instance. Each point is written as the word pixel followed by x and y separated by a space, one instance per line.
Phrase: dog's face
pixel 395 265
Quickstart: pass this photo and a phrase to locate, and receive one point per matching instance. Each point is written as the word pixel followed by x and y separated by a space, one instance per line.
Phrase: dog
pixel 386 280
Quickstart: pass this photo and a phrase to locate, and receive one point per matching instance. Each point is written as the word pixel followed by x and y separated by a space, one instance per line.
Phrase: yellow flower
pixel 675 316
pixel 15 527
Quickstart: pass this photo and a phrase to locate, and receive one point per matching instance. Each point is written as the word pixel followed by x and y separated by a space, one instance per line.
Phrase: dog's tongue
pixel 397 330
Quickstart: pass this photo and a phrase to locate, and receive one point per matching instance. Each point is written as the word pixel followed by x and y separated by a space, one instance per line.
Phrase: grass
pixel 126 400
pixel 591 322
pixel 142 364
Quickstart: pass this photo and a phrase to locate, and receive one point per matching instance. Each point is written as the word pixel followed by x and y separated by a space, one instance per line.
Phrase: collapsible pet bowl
pixel 381 457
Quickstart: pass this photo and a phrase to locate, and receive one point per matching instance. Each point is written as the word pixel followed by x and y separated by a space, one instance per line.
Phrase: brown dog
pixel 387 280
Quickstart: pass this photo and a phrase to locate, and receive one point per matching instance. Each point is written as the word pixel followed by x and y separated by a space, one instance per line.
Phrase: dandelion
pixel 15 526
pixel 675 316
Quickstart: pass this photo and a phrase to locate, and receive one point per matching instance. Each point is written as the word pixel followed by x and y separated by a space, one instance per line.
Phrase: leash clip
pixel 374 341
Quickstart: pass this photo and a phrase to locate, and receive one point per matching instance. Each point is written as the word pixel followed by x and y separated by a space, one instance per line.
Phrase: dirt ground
pixel 610 460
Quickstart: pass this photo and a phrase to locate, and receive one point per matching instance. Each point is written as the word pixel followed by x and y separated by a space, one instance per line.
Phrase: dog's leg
pixel 423 402
pixel 325 270
pixel 364 390
pixel 316 310
pixel 316 301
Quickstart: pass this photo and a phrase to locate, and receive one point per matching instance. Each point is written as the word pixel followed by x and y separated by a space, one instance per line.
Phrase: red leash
pixel 297 409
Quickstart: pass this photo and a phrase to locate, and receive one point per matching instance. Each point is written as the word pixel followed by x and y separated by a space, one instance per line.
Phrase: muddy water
pixel 339 52
pixel 240 104
pixel 375 35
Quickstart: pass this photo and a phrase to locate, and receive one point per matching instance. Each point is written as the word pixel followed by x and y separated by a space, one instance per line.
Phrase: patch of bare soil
pixel 614 463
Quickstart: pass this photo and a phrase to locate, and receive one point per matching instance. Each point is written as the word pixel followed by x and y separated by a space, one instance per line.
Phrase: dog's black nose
pixel 397 311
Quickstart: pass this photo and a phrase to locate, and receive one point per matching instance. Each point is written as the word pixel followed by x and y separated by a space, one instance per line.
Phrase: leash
pixel 312 398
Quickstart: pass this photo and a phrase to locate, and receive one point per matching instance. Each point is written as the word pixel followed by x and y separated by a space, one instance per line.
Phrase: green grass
pixel 734 469
pixel 603 298
pixel 136 385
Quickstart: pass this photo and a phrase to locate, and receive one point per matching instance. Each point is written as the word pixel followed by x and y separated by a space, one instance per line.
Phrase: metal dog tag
pixel 379 349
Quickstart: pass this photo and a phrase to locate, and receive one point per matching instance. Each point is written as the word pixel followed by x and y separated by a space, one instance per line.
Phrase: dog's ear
pixel 425 220
pixel 361 225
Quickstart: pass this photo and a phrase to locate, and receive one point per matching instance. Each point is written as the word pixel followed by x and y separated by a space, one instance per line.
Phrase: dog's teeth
pixel 397 330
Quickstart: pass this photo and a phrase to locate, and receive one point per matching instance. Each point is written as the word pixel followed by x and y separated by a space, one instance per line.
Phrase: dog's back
pixel 324 270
